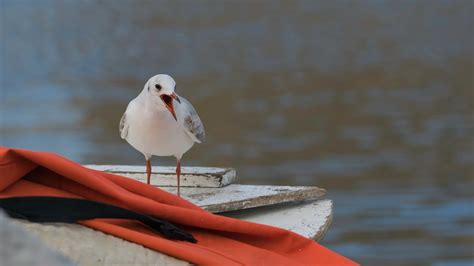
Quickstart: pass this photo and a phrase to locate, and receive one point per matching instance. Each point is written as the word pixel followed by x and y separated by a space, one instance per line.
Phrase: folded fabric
pixel 221 240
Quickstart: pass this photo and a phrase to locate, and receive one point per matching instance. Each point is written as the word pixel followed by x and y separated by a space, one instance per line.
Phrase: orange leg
pixel 178 174
pixel 148 171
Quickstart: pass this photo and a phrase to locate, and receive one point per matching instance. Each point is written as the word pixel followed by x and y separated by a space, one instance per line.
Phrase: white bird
pixel 158 122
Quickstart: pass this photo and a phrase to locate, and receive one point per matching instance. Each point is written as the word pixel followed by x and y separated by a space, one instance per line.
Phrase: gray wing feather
pixel 192 123
pixel 123 127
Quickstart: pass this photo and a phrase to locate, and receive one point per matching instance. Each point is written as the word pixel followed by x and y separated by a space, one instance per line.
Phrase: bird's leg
pixel 178 173
pixel 148 171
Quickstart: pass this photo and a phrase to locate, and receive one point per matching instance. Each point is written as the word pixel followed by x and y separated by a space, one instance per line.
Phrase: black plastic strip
pixel 68 210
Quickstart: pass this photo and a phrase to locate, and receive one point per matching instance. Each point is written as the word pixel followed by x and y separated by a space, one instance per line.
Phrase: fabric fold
pixel 221 240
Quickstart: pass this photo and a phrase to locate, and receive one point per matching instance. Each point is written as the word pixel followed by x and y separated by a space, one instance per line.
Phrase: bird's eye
pixel 158 86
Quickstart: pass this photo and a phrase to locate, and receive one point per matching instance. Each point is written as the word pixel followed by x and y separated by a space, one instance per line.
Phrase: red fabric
pixel 221 240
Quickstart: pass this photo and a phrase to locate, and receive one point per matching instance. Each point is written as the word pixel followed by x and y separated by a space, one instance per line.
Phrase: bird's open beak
pixel 168 100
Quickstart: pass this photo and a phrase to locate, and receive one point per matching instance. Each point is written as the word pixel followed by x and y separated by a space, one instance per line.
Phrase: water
pixel 372 100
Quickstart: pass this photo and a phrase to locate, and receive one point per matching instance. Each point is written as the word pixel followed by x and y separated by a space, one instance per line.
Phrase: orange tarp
pixel 221 240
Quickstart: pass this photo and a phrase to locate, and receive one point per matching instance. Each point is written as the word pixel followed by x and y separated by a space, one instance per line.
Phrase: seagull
pixel 161 123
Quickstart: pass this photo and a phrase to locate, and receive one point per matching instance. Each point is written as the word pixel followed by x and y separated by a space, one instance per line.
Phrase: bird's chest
pixel 156 123
pixel 157 133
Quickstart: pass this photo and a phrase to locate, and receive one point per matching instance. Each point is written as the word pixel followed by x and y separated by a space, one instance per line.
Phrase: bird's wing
pixel 123 127
pixel 192 123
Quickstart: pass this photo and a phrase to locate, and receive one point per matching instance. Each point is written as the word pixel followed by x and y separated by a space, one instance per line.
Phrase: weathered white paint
pixel 236 196
pixel 165 176
pixel 19 247
pixel 86 246
pixel 310 219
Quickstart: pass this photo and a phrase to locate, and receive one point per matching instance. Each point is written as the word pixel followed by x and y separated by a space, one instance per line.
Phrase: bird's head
pixel 162 86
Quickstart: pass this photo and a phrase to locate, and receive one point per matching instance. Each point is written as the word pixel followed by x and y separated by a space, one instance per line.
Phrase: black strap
pixel 68 210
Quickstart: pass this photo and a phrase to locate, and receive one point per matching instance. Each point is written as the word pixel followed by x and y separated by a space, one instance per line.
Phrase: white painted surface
pixel 86 246
pixel 165 176
pixel 236 196
pixel 310 219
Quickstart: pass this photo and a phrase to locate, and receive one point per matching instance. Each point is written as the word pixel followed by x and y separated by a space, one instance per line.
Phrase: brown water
pixel 372 100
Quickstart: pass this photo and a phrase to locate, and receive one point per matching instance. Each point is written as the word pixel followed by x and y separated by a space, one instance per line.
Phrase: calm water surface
pixel 372 100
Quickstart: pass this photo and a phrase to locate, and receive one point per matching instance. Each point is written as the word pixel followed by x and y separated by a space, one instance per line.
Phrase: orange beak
pixel 168 100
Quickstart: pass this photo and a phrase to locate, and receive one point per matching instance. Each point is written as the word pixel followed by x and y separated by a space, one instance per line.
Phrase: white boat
pixel 300 209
